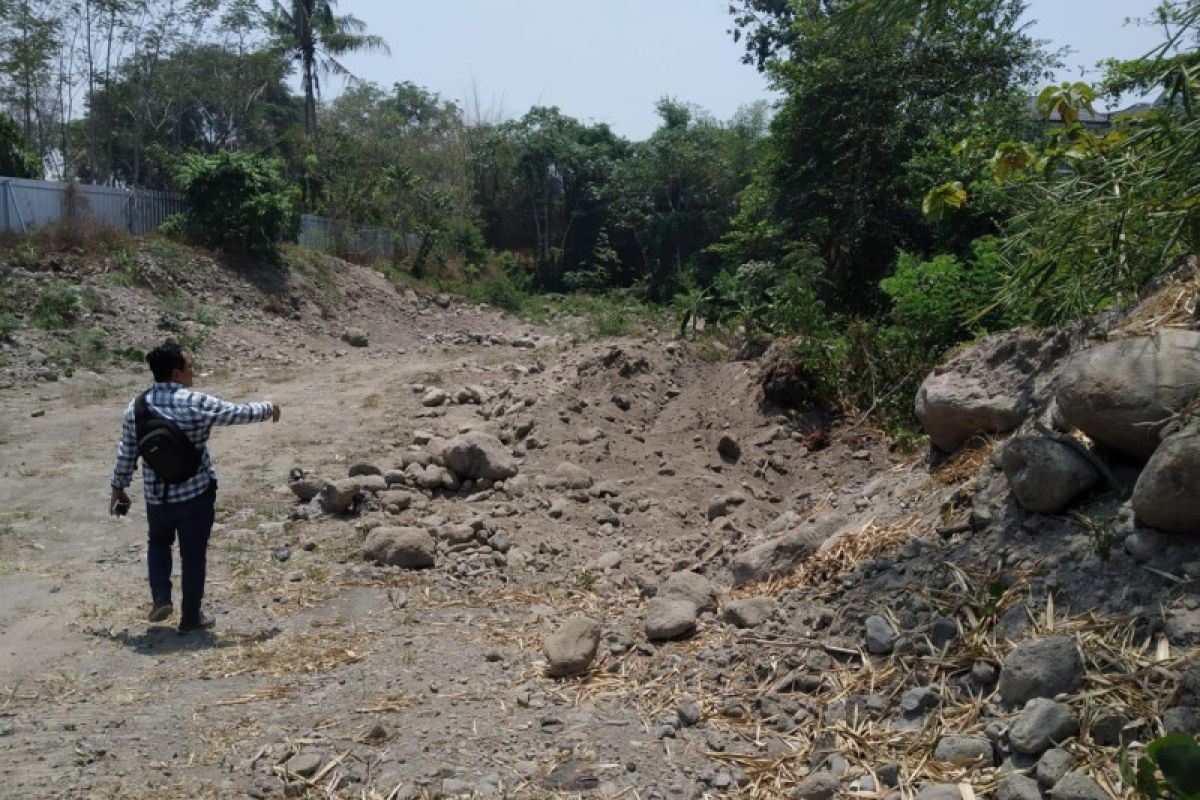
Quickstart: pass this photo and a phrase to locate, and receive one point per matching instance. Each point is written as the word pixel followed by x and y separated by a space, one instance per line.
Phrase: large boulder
pixel 1045 475
pixel 781 555
pixel 410 548
pixel 477 455
pixel 989 388
pixel 1167 495
pixel 1122 393
pixel 1041 668
pixel 571 649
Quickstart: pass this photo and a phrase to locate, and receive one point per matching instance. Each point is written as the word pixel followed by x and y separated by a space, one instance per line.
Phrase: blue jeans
pixel 192 520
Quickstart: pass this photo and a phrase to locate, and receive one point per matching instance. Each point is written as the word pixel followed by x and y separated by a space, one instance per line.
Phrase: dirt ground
pixel 327 675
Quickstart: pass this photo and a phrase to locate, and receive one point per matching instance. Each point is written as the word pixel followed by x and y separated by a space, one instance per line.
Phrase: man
pixel 183 508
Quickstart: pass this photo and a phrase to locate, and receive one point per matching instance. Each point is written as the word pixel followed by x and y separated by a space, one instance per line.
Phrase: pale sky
pixel 610 61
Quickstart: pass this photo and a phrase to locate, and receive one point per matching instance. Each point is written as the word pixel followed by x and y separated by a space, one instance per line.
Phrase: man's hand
pixel 118 506
pixel 276 412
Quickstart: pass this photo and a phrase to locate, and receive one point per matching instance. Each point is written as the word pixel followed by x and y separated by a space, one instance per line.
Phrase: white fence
pixel 26 205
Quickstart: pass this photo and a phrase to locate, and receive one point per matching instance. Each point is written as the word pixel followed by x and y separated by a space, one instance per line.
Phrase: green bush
pixel 90 348
pixel 57 306
pixel 16 160
pixel 943 301
pixel 9 324
pixel 238 201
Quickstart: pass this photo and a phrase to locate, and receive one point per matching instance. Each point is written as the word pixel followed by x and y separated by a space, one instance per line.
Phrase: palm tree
pixel 313 35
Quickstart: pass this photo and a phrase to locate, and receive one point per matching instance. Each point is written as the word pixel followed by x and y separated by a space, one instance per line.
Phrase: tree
pixel 863 110
pixel 311 34
pixel 16 160
pixel 26 55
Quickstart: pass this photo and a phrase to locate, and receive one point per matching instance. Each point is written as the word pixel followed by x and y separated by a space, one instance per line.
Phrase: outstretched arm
pixel 222 412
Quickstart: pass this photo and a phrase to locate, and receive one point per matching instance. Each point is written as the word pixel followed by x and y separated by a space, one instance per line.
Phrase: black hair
pixel 165 359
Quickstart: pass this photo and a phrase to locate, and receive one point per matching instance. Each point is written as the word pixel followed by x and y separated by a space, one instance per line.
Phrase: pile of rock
pixel 1136 399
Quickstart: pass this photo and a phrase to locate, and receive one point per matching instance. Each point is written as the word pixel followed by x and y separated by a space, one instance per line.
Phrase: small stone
pixel 1077 786
pixel 749 612
pixel 1042 724
pixel 1181 721
pixel 881 637
pixel 919 700
pixel 1041 668
pixel 690 586
pixel 1052 766
pixel 570 651
pixel 729 448
pixel 1017 787
pixel 688 712
pixel 668 618
pixel 964 750
pixel 939 791
pixel 718 508
pixel 1107 730
pixel 821 786
pixel 304 764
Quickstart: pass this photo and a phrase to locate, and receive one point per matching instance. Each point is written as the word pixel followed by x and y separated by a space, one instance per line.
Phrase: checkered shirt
pixel 195 413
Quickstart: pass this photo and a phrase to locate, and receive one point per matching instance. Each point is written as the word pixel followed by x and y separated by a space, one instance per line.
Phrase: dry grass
pixel 1173 306
pixel 304 654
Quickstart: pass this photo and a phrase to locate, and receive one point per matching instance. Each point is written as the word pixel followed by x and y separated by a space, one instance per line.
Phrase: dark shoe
pixel 201 623
pixel 160 612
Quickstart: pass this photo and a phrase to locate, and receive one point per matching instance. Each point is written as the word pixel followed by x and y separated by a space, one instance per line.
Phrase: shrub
pixel 238 201
pixel 943 301
pixel 16 160
pixel 9 324
pixel 57 306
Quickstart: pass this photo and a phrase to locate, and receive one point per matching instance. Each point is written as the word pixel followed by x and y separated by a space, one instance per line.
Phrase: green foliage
pixel 9 324
pixel 57 306
pixel 16 159
pixel 239 201
pixel 943 301
pixel 90 348
pixel 1169 770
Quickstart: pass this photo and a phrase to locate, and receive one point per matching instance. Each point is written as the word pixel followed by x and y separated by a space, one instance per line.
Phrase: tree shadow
pixel 264 274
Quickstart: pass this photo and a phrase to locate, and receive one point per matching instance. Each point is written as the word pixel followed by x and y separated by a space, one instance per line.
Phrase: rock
pixel 305 489
pixel 434 397
pixel 965 750
pixel 371 483
pixel 690 586
pixel 1042 724
pixel 395 500
pixel 363 468
pixel 608 560
pixel 749 612
pixel 1041 668
pixel 338 496
pixel 942 631
pixel 1052 766
pixel 920 699
pixel 304 765
pixel 570 476
pixel 782 554
pixel 669 618
pixel 410 548
pixel 939 791
pixel 988 388
pixel 689 713
pixel 355 337
pixel 1121 393
pixel 820 786
pixel 729 448
pixel 1017 787
pixel 880 635
pixel 1167 494
pixel 717 508
pixel 1108 729
pixel 1077 786
pixel 478 455
pixel 570 651
pixel 1181 720
pixel 1045 475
